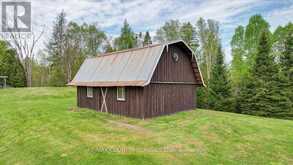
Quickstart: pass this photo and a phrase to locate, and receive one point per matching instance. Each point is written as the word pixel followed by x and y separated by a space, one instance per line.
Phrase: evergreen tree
pixel 278 39
pixel 286 59
pixel 11 66
pixel 55 48
pixel 286 74
pixel 127 38
pixel 220 89
pixel 147 39
pixel 262 94
pixel 69 45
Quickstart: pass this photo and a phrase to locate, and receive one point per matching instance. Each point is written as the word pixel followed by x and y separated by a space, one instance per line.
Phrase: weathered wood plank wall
pixel 172 89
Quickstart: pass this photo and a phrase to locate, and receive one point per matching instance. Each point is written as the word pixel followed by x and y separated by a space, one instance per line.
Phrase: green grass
pixel 36 127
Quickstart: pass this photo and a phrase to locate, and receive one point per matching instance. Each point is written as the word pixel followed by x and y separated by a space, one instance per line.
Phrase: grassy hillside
pixel 36 127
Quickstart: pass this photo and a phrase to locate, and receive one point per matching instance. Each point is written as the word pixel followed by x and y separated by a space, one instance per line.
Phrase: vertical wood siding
pixel 170 71
pixel 165 99
pixel 84 102
pixel 159 98
pixel 132 106
pixel 163 95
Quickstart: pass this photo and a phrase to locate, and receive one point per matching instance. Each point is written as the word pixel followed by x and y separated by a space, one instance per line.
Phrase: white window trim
pixel 123 94
pixel 88 93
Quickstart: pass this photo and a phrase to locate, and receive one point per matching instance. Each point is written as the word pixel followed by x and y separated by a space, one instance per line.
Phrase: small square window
pixel 121 94
pixel 89 92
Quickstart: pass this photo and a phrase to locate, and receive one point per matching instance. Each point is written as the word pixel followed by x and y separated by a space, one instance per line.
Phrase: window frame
pixel 123 98
pixel 89 92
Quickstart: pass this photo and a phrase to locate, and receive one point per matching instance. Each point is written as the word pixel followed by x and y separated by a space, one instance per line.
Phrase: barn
pixel 145 82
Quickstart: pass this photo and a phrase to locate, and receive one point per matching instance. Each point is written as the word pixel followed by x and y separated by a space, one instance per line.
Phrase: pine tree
pixel 147 39
pixel 262 94
pixel 127 38
pixel 56 48
pixel 254 94
pixel 286 59
pixel 279 38
pixel 286 76
pixel 11 66
pixel 220 89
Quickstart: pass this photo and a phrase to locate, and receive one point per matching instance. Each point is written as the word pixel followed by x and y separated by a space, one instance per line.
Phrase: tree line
pixel 258 81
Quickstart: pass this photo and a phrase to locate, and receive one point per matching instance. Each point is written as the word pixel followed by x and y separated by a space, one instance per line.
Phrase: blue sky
pixel 149 15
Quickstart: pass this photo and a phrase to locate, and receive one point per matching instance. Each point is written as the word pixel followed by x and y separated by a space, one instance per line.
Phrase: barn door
pixel 103 95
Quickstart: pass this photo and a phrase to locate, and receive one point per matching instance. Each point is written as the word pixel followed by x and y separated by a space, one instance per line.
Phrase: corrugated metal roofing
pixel 133 67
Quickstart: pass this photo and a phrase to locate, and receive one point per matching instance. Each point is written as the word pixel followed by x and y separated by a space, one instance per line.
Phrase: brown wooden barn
pixel 142 82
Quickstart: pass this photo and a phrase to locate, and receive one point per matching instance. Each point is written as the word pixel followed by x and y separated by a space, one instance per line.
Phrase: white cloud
pixel 280 17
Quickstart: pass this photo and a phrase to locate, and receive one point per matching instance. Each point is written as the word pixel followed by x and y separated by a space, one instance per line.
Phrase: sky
pixel 149 15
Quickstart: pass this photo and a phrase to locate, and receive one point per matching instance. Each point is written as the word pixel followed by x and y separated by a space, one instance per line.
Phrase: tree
pixel 170 31
pixel 92 37
pixel 239 68
pixel 147 39
pixel 69 45
pixel 40 70
pixel 263 94
pixel 253 32
pixel 25 47
pixel 254 94
pixel 278 39
pixel 108 47
pixel 220 89
pixel 208 32
pixel 11 66
pixel 127 38
pixel 286 71
pixel 55 48
pixel 189 36
pixel 209 42
pixel 174 30
pixel 286 59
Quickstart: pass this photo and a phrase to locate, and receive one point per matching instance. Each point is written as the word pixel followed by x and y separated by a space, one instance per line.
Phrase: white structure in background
pixel 4 81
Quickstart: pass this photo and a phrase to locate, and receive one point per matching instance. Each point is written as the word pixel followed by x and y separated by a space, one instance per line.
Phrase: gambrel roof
pixel 132 67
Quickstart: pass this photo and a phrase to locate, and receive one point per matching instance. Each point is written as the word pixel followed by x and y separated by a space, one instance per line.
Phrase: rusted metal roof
pixel 133 67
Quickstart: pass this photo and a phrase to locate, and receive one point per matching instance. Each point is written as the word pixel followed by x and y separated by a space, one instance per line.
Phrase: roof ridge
pixel 126 50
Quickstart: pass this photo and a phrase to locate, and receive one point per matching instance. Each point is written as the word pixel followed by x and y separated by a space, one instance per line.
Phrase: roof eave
pixel 108 84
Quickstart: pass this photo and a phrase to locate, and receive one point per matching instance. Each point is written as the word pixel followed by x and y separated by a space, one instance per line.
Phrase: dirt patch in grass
pixel 138 129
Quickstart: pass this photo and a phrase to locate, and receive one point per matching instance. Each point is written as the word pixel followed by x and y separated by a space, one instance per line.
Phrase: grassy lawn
pixel 36 127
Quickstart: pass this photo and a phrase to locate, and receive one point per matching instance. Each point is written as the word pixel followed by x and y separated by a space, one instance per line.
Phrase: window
pixel 89 92
pixel 120 93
